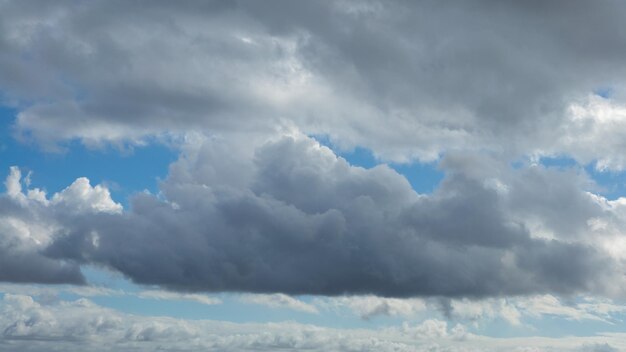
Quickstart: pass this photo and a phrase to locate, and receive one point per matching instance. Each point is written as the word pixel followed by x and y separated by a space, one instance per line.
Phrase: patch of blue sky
pixel 611 184
pixel 423 177
pixel 123 173
pixel 604 92
pixel 101 277
pixel 560 162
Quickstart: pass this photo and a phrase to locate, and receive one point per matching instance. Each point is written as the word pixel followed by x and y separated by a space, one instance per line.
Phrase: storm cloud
pixel 304 221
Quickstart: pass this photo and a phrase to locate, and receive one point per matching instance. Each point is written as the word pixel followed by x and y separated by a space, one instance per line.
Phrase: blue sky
pixel 124 172
pixel 326 176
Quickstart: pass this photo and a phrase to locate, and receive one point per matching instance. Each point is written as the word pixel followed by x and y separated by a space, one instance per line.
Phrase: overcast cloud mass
pixel 263 103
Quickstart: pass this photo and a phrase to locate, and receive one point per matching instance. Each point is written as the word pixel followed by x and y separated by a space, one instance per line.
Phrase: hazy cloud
pixel 28 325
pixel 279 300
pixel 407 80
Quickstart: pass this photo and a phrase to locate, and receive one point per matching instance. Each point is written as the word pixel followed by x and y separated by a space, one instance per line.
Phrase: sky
pixel 321 175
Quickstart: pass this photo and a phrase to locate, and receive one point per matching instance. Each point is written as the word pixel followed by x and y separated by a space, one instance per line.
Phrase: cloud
pixel 81 197
pixel 53 292
pixel 29 222
pixel 589 308
pixel 597 347
pixel 166 295
pixel 516 311
pixel 407 80
pixel 368 307
pixel 279 300
pixel 253 205
pixel 296 219
pixel 28 325
pixel 25 230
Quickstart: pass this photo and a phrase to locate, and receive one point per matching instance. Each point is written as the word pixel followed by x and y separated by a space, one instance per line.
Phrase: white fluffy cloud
pixel 30 222
pixel 81 197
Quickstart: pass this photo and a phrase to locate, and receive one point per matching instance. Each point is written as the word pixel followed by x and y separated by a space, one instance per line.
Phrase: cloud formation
pixel 29 223
pixel 407 80
pixel 300 220
pixel 28 325
pixel 255 205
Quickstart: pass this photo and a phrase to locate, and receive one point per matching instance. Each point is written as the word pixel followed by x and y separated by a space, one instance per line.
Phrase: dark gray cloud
pixel 309 223
pixel 28 266
pixel 406 79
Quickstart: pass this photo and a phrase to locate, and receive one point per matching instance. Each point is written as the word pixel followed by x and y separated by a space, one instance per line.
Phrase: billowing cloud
pixel 23 234
pixel 29 222
pixel 300 220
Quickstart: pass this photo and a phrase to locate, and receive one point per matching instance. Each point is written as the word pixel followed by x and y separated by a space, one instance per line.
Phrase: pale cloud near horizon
pixel 279 300
pixel 31 326
pixel 515 311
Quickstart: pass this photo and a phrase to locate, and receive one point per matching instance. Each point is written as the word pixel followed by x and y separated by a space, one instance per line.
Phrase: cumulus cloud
pixel 29 222
pixel 81 197
pixel 407 80
pixel 300 220
pixel 23 234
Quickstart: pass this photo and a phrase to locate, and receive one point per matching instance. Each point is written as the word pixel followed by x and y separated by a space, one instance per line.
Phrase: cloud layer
pixel 407 80
pixel 28 325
